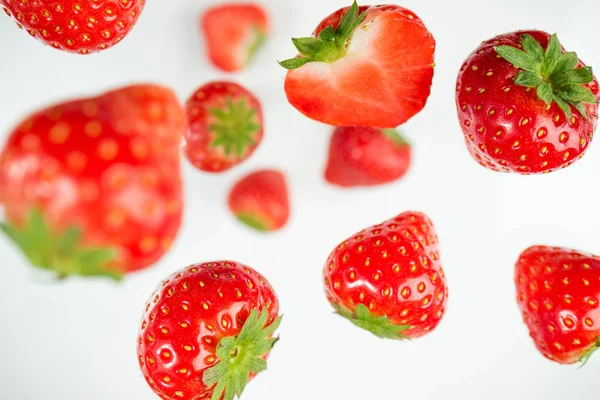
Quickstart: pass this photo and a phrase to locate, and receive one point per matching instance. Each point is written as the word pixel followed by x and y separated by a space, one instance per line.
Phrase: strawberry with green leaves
pixel 93 186
pixel 207 331
pixel 388 278
pixel 226 126
pixel 525 105
pixel 558 291
pixel 260 200
pixel 360 156
pixel 82 27
pixel 363 66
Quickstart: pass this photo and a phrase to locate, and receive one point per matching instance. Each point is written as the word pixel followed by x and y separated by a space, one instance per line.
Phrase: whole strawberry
pixel 525 105
pixel 558 291
pixel 360 156
pixel 226 126
pixel 234 33
pixel 77 27
pixel 388 278
pixel 93 186
pixel 261 200
pixel 367 66
pixel 207 331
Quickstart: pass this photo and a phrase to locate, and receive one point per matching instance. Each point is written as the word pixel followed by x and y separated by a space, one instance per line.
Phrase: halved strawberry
pixel 226 126
pixel 233 34
pixel 260 200
pixel 369 69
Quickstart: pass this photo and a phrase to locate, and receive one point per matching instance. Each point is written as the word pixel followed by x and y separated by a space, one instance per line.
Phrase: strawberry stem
pixel 330 45
pixel 61 253
pixel 234 126
pixel 241 355
pixel 553 73
pixel 378 325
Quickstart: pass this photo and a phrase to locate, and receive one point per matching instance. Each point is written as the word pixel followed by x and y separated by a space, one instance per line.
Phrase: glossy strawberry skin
pixel 394 269
pixel 558 291
pixel 360 156
pixel 198 147
pixel 507 127
pixel 398 66
pixel 77 27
pixel 187 317
pixel 233 32
pixel 263 198
pixel 108 165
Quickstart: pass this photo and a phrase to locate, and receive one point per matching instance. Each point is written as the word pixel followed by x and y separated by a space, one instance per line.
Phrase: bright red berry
pixel 207 331
pixel 388 278
pixel 226 126
pixel 261 201
pixel 558 291
pixel 93 186
pixel 525 105
pixel 367 66
pixel 77 27
pixel 366 157
pixel 233 33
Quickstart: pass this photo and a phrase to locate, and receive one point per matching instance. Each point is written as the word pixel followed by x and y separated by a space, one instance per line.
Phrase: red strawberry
pixel 531 111
pixel 226 126
pixel 388 278
pixel 77 27
pixel 207 331
pixel 373 69
pixel 558 292
pixel 233 34
pixel 93 186
pixel 366 157
pixel 260 200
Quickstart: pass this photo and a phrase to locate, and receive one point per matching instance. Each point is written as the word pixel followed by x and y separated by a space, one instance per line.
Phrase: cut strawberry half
pixel 368 66
pixel 233 34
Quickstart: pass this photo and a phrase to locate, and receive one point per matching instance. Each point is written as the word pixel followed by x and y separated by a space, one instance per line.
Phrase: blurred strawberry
pixel 93 186
pixel 233 34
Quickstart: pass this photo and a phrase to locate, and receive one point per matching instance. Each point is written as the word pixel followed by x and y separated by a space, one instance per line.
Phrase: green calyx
pixel 252 221
pixel 588 354
pixel 553 73
pixel 259 39
pixel 239 356
pixel 60 253
pixel 330 45
pixel 379 326
pixel 396 137
pixel 234 126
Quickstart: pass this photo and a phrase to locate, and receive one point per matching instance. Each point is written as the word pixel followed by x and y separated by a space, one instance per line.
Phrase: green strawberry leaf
pixel 378 325
pixel 234 126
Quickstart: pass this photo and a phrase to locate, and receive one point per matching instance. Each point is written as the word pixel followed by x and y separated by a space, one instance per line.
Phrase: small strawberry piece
pixel 226 126
pixel 525 105
pixel 234 33
pixel 207 331
pixel 93 186
pixel 261 201
pixel 77 27
pixel 366 157
pixel 558 291
pixel 388 278
pixel 367 66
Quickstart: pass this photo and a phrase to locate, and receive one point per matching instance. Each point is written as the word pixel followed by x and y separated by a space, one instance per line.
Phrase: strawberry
pixel 207 331
pixel 77 27
pixel 388 278
pixel 233 34
pixel 260 200
pixel 93 186
pixel 226 126
pixel 366 157
pixel 525 105
pixel 368 66
pixel 558 292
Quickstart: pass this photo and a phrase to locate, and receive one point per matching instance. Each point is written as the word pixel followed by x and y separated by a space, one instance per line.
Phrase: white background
pixel 76 339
